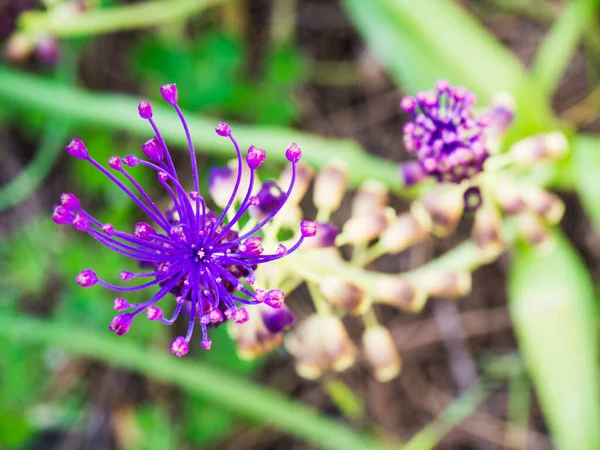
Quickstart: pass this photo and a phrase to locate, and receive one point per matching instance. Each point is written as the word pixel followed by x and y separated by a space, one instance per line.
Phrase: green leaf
pixel 552 306
pixel 238 395
pixel 422 41
pixel 119 112
pixel 560 43
pixel 586 156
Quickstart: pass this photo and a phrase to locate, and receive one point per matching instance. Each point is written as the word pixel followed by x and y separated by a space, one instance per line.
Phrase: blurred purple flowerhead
pixel 444 135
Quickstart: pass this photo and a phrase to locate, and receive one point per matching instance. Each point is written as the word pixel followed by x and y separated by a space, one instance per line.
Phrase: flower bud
pixel 502 114
pixel 62 215
pixel 509 196
pixel 399 292
pixel 121 304
pixel 346 296
pixel 319 343
pixel 121 324
pixel 293 154
pixel 179 347
pixel 70 201
pixel 381 353
pixel 86 278
pixel 145 109
pixel 451 285
pixel 169 93
pixel 308 228
pixel 262 333
pixel 81 223
pixel 153 150
pixel 412 173
pixel 404 232
pixel 275 298
pixel 329 187
pixel 371 198
pixel 532 229
pixel 223 130
pixel 444 206
pixel 269 196
pixel 255 157
pixel 77 149
pixel 144 230
pixel 487 231
pixel 154 313
pixel 362 229
pixel 540 148
pixel 544 203
pixel 252 246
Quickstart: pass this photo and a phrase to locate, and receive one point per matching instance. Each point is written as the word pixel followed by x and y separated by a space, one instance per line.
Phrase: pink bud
pixel 169 93
pixel 179 347
pixel 293 154
pixel 223 130
pixel 255 157
pixel 308 228
pixel 145 109
pixel 70 201
pixel 77 149
pixel 86 278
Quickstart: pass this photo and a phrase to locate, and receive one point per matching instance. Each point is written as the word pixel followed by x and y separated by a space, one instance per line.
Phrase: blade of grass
pixel 460 410
pixel 113 19
pixel 240 396
pixel 586 155
pixel 560 43
pixel 119 112
pixel 551 299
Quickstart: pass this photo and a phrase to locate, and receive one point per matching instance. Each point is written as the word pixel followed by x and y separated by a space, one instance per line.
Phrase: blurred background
pixel 286 68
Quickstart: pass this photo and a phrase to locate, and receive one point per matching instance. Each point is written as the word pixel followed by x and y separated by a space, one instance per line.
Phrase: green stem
pixel 118 112
pixel 240 396
pixel 28 180
pixel 110 20
pixel 430 436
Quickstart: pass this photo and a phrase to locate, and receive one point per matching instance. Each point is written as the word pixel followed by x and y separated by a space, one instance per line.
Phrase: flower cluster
pixel 445 136
pixel 445 131
pixel 320 342
pixel 200 256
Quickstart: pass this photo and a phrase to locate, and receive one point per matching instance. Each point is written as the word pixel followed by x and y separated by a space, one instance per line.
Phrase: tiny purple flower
pixel 445 135
pixel 86 278
pixel 76 149
pixel 69 201
pixel 145 109
pixel 121 304
pixel 277 320
pixel 308 228
pixel 189 251
pixel 153 150
pixel 121 324
pixel 255 157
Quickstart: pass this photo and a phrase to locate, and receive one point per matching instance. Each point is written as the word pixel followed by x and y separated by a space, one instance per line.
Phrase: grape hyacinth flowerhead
pixel 445 135
pixel 196 254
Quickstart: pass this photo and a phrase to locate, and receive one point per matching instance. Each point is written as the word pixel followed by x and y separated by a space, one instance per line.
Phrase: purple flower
pixel 192 252
pixel 444 135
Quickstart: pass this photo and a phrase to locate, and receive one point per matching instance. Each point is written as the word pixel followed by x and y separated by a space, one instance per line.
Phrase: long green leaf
pixel 119 112
pixel 422 41
pixel 560 43
pixel 552 305
pixel 586 155
pixel 239 396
